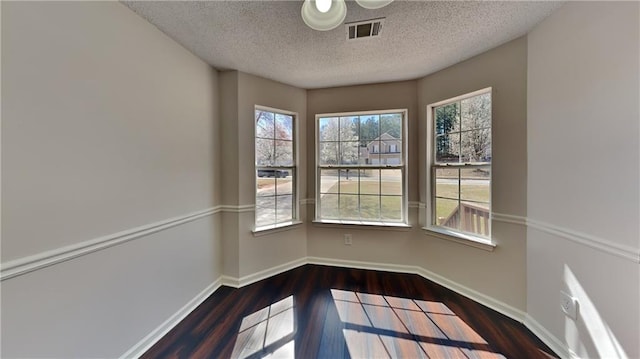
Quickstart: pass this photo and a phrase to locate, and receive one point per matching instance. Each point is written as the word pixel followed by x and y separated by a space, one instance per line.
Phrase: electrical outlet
pixel 569 305
pixel 347 240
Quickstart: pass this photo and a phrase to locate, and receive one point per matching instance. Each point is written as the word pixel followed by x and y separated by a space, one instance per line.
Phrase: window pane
pixel 265 216
pixel 369 207
pixel 349 181
pixel 390 151
pixel 329 153
pixel 265 211
pixel 463 135
pixel 476 146
pixel 284 153
pixel 447 182
pixel 284 127
pixel 264 124
pixel 349 206
pixel 328 129
pixel 475 184
pixel 285 183
pixel 349 153
pixel 476 112
pixel 448 148
pixel 284 208
pixel 447 119
pixel 369 128
pixel 363 155
pixel 474 218
pixel 446 213
pixel 349 128
pixel 328 181
pixel 361 141
pixel 391 124
pixel 370 155
pixel 370 182
pixel 265 184
pixel 265 154
pixel 329 206
pixel 391 207
pixel 391 182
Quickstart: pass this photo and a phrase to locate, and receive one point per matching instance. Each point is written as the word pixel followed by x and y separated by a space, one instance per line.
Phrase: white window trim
pixel 295 221
pixel 404 223
pixel 470 239
pixel 276 228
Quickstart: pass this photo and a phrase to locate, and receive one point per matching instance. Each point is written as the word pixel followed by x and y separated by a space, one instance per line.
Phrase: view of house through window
pixel 361 167
pixel 275 167
pixel 461 164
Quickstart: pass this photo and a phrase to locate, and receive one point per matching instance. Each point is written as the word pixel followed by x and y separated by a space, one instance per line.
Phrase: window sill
pixel 462 238
pixel 275 228
pixel 362 224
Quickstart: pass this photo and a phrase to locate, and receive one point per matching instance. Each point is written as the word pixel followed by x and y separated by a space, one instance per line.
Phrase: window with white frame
pixel 275 167
pixel 356 182
pixel 461 164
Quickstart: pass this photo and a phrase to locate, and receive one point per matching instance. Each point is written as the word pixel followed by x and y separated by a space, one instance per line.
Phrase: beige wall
pixel 107 125
pixel 499 274
pixel 370 245
pixel 584 175
pixel 505 70
pixel 256 253
pixel 385 96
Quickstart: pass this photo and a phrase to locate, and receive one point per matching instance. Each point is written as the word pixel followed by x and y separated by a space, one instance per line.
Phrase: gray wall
pixel 584 158
pixel 107 125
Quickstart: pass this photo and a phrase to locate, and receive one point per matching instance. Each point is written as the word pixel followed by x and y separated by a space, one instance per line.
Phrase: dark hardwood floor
pixel 327 312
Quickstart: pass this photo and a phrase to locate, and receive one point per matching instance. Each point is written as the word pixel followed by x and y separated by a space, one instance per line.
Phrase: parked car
pixel 273 173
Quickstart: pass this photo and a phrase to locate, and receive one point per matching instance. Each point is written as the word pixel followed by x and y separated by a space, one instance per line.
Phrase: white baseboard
pixel 270 272
pixel 549 339
pixel 388 267
pixel 556 345
pixel 148 341
pixel 230 281
pixel 263 274
pixel 501 307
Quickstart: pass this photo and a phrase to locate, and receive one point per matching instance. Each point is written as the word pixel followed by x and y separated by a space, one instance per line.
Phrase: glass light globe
pixel 323 5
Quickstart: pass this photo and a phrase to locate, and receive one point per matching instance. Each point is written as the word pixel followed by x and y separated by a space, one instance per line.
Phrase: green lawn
pixel 378 201
pixel 389 204
pixel 368 187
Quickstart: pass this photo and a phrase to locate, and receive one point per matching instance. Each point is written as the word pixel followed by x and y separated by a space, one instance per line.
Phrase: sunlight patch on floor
pixel 268 332
pixel 381 326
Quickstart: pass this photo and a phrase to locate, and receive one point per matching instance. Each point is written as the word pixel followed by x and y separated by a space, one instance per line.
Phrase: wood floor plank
pixel 318 311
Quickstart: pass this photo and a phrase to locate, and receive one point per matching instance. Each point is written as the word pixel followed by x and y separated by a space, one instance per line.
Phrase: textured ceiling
pixel 269 38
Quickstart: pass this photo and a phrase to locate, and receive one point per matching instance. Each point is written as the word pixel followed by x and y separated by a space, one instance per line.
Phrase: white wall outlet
pixel 347 240
pixel 569 305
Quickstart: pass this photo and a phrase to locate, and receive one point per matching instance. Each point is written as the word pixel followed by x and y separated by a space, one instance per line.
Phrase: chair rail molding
pixel 600 244
pixel 20 266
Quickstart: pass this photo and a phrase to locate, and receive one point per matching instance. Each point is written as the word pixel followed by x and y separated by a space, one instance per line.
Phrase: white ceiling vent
pixel 364 29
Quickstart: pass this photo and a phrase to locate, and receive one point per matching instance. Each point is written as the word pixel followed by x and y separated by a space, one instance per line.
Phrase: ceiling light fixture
pixel 323 5
pixel 324 15
pixel 323 21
